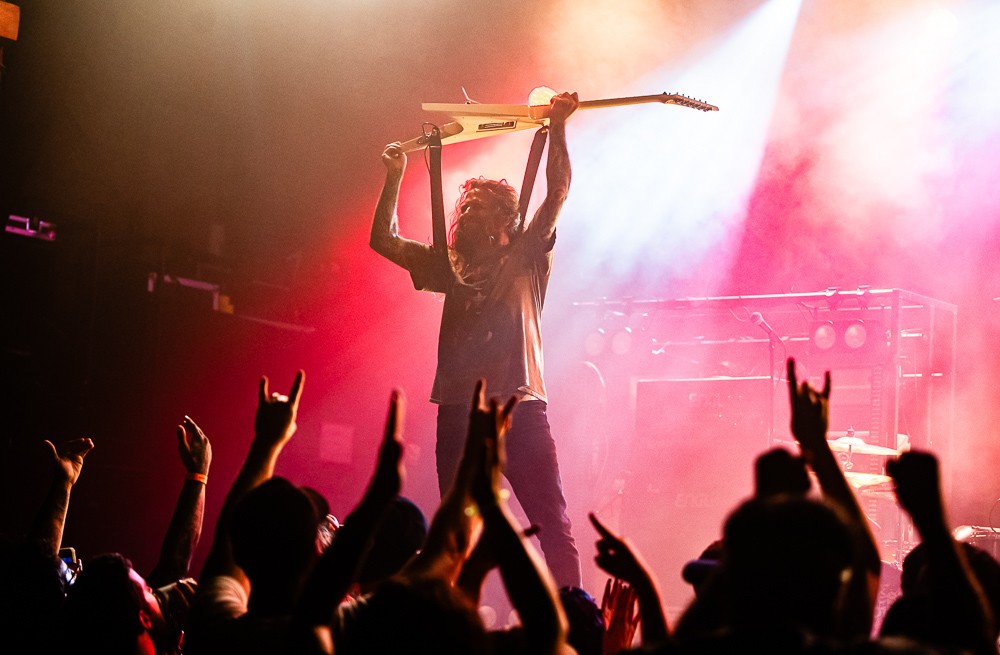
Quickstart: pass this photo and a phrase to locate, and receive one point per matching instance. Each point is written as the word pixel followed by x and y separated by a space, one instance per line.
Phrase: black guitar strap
pixel 438 229
pixel 530 173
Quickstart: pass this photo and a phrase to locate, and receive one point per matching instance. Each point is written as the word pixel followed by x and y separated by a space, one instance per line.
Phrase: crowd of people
pixel 794 572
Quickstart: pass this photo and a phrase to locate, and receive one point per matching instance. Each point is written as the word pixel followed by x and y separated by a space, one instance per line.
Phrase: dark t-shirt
pixel 491 322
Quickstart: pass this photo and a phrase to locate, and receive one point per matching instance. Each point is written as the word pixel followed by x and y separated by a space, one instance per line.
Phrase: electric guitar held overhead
pixel 472 120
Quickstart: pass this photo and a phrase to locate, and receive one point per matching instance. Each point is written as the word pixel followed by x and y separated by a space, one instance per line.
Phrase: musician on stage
pixel 494 284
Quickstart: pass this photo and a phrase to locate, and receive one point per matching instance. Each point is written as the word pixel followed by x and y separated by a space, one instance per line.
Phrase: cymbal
pixel 857 446
pixel 883 490
pixel 861 481
pixel 879 493
pixel 854 445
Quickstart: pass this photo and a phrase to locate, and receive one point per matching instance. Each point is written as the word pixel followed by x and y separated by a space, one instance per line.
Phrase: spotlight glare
pixel 942 23
pixel 824 336
pixel 621 343
pixel 593 343
pixel 541 96
pixel 855 335
pixel 689 205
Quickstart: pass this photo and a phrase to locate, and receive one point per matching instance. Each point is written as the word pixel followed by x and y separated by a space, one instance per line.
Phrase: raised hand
pixel 194 447
pixel 918 486
pixel 184 531
pixel 621 617
pixel 67 461
pixel 615 555
pixel 483 559
pixel 956 603
pixel 810 418
pixel 275 423
pixel 488 424
pixel 563 105
pixel 394 158
pixel 810 410
pixel 452 531
pixel 389 472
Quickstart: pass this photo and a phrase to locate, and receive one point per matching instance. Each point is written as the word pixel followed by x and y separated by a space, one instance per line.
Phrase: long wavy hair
pixel 504 207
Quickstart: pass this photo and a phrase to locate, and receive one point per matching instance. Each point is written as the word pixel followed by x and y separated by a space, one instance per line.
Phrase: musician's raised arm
pixel 385 239
pixel 557 167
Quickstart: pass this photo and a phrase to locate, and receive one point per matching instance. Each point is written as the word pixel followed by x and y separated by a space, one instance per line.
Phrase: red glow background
pixel 239 142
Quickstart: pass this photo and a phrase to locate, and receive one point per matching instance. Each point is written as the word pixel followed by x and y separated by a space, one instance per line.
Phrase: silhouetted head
pixel 699 571
pixel 400 536
pixel 913 616
pixel 415 616
pixel 111 609
pixel 777 471
pixel 984 567
pixel 586 622
pixel 32 587
pixel 273 534
pixel 786 557
pixel 486 217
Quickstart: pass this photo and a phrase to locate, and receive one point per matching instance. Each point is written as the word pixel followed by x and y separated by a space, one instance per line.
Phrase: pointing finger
pixel 600 527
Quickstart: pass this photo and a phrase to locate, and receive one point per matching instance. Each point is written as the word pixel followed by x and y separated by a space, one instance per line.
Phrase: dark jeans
pixel 533 473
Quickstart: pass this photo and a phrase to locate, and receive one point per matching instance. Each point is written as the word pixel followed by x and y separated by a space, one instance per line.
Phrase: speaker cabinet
pixel 690 464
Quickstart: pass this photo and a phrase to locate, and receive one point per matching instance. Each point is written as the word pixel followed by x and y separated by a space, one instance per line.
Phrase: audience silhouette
pixel 794 571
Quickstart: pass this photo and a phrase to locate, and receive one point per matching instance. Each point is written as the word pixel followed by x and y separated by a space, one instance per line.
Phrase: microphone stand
pixel 771 346
pixel 773 340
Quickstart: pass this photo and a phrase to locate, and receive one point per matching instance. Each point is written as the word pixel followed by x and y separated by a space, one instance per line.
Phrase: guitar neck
pixel 665 98
pixel 621 102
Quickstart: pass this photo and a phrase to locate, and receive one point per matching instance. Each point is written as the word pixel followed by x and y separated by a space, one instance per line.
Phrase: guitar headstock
pixel 687 101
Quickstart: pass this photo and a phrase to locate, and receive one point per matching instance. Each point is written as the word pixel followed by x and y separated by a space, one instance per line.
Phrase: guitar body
pixel 478 121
